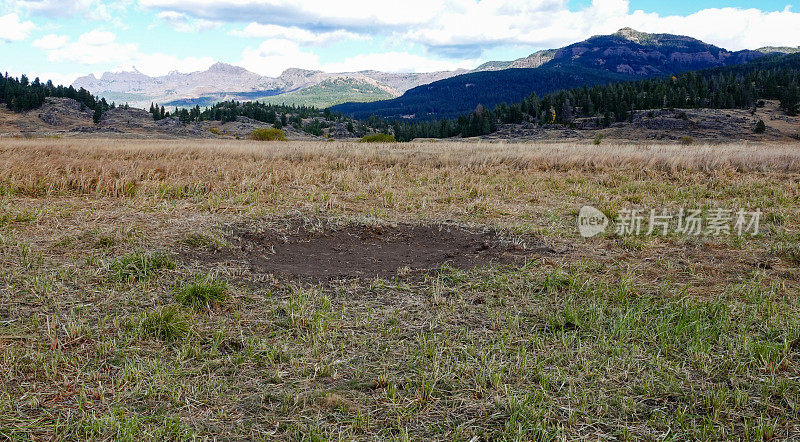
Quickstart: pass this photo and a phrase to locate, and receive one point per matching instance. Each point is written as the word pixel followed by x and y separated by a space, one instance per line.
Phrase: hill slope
pixel 625 55
pixel 458 95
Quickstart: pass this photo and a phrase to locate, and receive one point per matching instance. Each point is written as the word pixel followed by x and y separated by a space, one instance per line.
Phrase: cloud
pixel 96 48
pixel 731 28
pixel 467 28
pixel 182 23
pixel 91 9
pixel 51 42
pixel 12 29
pixel 310 14
pixel 274 56
pixel 294 34
pixel 397 62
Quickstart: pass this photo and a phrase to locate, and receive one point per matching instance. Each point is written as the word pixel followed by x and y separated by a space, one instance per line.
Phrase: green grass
pixel 166 324
pixel 787 250
pixel 612 338
pixel 204 292
pixel 140 266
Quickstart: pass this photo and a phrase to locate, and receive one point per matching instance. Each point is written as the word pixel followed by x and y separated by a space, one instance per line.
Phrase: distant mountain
pixel 647 55
pixel 779 50
pixel 624 55
pixel 461 94
pixel 225 82
pixel 532 61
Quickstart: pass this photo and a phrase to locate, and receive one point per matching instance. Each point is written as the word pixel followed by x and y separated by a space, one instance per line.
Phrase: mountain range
pixel 227 82
pixel 627 54
pixel 624 55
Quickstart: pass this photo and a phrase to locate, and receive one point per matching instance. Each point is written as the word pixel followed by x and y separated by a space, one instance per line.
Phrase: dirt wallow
pixel 327 250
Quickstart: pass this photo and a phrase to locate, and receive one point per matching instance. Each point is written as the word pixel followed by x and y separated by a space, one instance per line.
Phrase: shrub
pixel 214 131
pixel 166 324
pixel 598 139
pixel 202 293
pixel 268 134
pixel 687 140
pixel 760 127
pixel 378 138
pixel 139 266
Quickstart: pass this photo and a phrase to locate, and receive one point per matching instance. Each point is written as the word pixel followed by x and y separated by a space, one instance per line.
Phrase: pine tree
pixel 790 100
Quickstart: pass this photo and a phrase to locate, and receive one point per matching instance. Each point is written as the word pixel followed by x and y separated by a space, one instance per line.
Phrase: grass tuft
pixel 789 251
pixel 166 324
pixel 203 292
pixel 140 266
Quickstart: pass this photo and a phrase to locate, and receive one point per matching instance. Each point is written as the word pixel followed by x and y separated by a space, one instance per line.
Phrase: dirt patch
pixel 321 250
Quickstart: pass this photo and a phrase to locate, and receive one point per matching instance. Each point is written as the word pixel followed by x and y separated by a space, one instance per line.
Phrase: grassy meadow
pixel 114 325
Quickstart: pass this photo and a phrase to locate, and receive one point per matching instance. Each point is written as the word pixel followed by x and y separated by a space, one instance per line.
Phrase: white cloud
pixel 91 9
pixel 274 56
pixel 294 34
pixel 731 28
pixel 98 47
pixel 308 13
pixel 12 29
pixel 468 27
pixel 51 42
pixel 397 62
pixel 182 23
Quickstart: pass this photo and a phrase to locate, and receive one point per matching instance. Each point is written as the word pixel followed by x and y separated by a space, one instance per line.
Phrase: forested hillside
pixel 625 55
pixel 776 77
pixel 457 95
pixel 21 94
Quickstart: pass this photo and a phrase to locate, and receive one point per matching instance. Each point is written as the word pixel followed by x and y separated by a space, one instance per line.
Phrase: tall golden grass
pixel 121 167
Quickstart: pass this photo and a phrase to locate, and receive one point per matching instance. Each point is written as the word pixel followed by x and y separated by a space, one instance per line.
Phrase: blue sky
pixel 61 39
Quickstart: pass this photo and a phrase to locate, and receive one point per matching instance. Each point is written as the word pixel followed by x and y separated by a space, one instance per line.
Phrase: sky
pixel 64 39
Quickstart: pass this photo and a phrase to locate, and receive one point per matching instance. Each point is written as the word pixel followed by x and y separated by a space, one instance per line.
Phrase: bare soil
pixel 321 250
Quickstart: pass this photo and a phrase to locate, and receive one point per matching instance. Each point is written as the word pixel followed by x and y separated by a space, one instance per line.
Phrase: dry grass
pixel 666 338
pixel 113 167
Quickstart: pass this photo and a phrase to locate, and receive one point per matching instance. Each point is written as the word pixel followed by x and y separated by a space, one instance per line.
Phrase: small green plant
pixel 760 127
pixel 686 140
pixel 378 138
pixel 198 240
pixel 139 266
pixel 268 134
pixel 789 251
pixel 202 293
pixel 598 139
pixel 632 243
pixel 166 324
pixel 214 131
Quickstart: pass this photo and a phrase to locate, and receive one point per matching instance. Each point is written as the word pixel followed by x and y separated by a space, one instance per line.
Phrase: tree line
pixel 21 94
pixel 278 115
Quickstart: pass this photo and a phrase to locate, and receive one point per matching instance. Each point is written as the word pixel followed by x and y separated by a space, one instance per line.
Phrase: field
pixel 423 291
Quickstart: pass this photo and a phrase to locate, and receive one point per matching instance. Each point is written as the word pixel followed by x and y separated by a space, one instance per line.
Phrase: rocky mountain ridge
pixel 224 81
pixel 626 52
